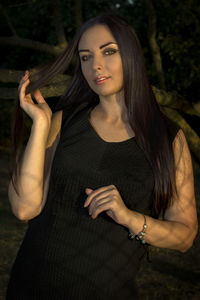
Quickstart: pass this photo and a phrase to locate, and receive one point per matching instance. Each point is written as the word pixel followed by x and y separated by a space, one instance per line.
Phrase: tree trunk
pixel 56 7
pixel 155 49
pixel 35 45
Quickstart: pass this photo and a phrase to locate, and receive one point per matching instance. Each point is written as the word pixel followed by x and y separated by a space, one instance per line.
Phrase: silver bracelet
pixel 141 235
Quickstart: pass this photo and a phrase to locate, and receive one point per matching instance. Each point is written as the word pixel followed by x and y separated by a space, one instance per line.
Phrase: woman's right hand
pixel 40 112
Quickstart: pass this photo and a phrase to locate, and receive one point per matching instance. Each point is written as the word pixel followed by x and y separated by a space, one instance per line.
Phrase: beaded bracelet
pixel 141 235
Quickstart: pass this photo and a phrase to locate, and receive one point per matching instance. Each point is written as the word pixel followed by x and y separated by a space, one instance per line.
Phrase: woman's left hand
pixel 107 199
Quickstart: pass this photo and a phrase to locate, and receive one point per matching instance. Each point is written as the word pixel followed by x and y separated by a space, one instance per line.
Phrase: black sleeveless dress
pixel 65 253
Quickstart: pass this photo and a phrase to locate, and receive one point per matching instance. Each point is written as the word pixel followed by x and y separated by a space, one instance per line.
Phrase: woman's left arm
pixel 179 227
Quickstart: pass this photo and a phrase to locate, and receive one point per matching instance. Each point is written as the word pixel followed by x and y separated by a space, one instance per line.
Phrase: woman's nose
pixel 97 63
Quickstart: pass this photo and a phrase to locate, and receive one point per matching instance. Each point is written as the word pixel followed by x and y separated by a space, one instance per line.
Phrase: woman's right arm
pixel 28 203
pixel 30 179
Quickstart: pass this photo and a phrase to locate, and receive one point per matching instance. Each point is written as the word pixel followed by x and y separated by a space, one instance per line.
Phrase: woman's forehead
pixel 97 35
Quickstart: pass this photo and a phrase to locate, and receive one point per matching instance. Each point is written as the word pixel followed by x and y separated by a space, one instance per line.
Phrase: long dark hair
pixel 147 121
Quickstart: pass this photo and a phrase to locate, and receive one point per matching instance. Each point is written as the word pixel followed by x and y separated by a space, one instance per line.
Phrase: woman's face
pixel 101 61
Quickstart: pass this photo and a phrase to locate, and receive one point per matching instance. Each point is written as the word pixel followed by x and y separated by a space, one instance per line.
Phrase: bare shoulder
pixel 55 127
pixel 179 140
pixel 183 161
pixel 181 150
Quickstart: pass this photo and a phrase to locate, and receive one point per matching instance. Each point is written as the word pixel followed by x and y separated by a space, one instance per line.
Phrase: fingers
pixel 23 85
pixel 97 192
pixel 22 90
pixel 97 203
pixel 23 79
pixel 101 206
pixel 38 96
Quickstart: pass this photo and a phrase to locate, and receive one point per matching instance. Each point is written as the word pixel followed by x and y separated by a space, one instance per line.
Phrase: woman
pixel 121 174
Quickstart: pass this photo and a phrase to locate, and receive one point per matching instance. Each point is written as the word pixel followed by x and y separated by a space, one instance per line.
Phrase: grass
pixel 170 275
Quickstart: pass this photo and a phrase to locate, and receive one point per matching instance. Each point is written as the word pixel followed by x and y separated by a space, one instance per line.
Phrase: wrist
pixel 39 132
pixel 39 124
pixel 128 218
pixel 141 235
pixel 40 128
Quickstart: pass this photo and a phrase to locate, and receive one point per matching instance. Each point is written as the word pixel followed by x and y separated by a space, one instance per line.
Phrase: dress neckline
pixel 100 138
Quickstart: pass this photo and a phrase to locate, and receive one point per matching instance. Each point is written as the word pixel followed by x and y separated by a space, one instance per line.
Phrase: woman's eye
pixel 84 57
pixel 110 51
pixel 107 52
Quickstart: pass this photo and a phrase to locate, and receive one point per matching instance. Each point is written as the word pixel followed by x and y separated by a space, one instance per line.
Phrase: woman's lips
pixel 100 79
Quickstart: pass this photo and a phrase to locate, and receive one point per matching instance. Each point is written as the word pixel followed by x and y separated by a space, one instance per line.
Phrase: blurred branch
pixel 170 103
pixel 15 76
pixel 176 102
pixel 35 45
pixel 56 6
pixel 52 90
pixel 10 75
pixel 155 49
pixel 10 25
pixel 15 40
pixel 21 4
pixel 165 99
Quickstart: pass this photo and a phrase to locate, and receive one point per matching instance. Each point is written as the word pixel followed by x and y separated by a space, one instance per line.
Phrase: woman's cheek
pixel 85 74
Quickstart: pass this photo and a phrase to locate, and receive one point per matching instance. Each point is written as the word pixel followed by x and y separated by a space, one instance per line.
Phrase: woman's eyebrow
pixel 102 46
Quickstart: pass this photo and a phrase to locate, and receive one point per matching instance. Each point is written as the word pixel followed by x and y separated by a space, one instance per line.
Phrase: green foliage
pixel 178 36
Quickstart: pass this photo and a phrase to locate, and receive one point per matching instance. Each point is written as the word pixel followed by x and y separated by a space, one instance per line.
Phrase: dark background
pixel 34 32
